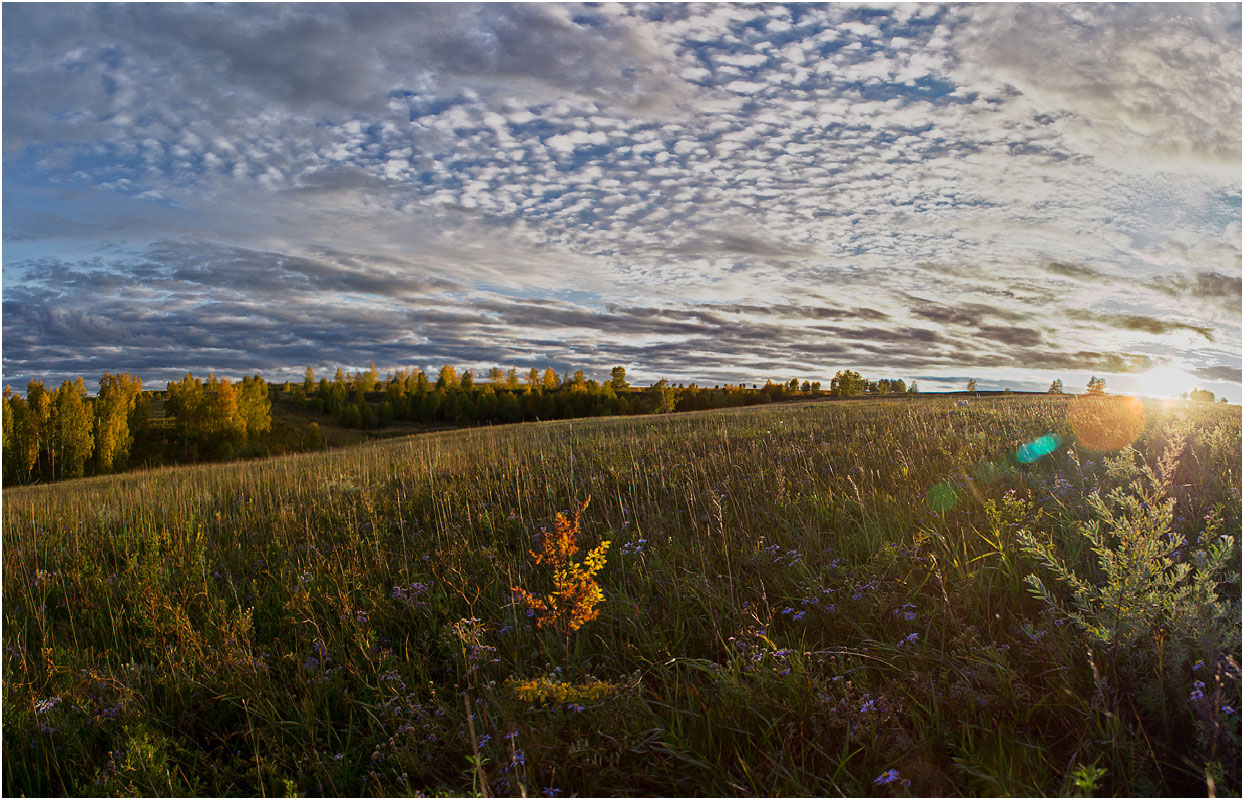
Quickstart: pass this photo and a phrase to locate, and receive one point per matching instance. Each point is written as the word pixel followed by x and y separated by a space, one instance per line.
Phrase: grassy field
pixel 806 599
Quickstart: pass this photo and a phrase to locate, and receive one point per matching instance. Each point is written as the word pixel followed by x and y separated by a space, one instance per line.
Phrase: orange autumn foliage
pixel 576 594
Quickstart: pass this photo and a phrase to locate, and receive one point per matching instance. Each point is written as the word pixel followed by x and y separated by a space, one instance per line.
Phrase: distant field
pixel 799 599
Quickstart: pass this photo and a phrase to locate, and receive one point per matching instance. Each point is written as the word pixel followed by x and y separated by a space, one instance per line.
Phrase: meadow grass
pixel 807 599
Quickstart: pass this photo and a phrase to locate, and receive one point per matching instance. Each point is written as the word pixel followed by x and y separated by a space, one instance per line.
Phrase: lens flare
pixel 1042 446
pixel 941 497
pixel 1106 423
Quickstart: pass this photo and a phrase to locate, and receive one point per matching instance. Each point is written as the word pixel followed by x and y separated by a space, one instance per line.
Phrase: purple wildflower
pixel 46 706
pixel 889 776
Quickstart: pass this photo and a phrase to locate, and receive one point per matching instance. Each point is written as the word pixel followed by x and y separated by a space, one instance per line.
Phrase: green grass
pixel 785 614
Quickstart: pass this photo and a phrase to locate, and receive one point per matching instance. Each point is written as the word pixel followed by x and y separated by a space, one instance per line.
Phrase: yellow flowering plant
pixel 544 690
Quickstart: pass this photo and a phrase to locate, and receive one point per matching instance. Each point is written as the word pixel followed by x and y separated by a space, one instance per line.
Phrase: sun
pixel 1165 381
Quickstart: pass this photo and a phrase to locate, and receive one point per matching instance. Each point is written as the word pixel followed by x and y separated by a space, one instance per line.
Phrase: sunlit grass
pixel 784 612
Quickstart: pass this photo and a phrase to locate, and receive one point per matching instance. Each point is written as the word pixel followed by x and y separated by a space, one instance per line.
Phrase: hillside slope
pixel 810 599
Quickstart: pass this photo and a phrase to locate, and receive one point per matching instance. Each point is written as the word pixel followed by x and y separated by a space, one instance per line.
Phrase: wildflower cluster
pixel 756 648
pixel 543 690
pixel 43 710
pixel 786 558
pixel 634 548
pixel 407 596
pixel 469 634
pixel 358 615
pixel 109 770
pixel 867 588
pixel 1059 485
pixel 907 612
pixel 1032 632
pixel 818 599
pixel 415 727
pixel 510 767
pixel 317 666
pixel 100 698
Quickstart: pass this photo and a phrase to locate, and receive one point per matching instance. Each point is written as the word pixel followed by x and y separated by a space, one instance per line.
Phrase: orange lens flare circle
pixel 1106 423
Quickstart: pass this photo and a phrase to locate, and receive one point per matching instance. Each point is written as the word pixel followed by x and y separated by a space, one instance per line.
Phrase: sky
pixel 711 193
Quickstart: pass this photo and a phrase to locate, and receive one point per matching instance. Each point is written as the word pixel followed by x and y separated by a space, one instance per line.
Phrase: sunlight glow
pixel 1164 381
pixel 1106 423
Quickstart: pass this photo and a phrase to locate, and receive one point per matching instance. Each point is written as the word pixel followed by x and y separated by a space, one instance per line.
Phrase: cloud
pixel 1079 272
pixel 738 243
pixel 964 314
pixel 1079 360
pixel 340 60
pixel 1139 322
pixel 1012 336
pixel 1226 374
pixel 203 305
pixel 1216 288
pixel 792 311
pixel 1144 87
pixel 694 190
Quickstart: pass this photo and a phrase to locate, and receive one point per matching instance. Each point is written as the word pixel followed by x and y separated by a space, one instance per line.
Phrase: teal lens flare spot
pixel 1043 446
pixel 941 498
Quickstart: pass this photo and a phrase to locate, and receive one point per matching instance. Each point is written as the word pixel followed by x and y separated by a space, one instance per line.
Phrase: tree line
pixel 51 436
pixel 61 434
pixel 364 400
pixel 1097 386
pixel 1201 396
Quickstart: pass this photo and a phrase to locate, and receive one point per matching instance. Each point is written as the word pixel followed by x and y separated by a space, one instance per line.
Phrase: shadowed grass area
pixel 815 599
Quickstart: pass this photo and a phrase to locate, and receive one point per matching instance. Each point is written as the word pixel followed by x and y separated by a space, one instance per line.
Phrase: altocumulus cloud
pixel 704 192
